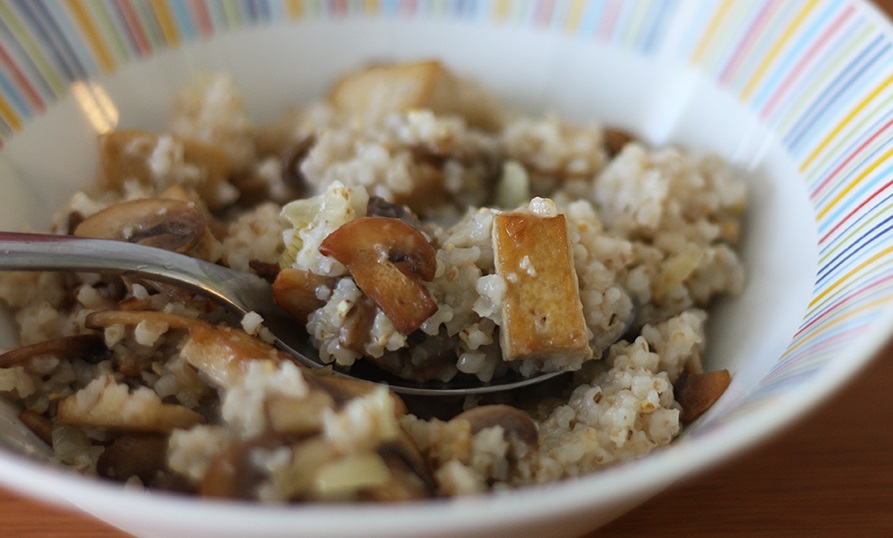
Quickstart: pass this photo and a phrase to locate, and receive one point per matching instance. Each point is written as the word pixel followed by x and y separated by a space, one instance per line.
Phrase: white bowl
pixel 798 95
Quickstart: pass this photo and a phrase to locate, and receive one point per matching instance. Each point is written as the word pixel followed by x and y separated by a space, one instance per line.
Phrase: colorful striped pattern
pixel 47 44
pixel 832 108
pixel 815 72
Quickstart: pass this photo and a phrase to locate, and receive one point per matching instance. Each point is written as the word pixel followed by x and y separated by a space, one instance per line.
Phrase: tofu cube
pixel 384 88
pixel 542 316
pixel 162 161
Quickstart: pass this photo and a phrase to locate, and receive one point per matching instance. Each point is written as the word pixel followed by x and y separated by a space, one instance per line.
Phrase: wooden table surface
pixel 829 476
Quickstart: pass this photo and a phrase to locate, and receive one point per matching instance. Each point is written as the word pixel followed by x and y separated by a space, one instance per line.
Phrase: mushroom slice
pixel 298 417
pixel 379 207
pixel 266 270
pixel 156 222
pixel 222 353
pixel 355 332
pixel 410 476
pixel 542 316
pixel 39 424
pixel 384 88
pixel 697 392
pixel 291 163
pixel 89 347
pixel 387 258
pixel 614 140
pixel 106 318
pixel 148 326
pixel 234 474
pixel 134 455
pixel 105 403
pixel 512 420
pixel 294 290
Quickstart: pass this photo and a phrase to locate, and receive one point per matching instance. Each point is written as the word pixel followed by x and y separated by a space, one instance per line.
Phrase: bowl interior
pixel 671 74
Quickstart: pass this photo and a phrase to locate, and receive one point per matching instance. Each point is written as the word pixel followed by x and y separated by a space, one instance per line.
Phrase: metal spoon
pixel 237 291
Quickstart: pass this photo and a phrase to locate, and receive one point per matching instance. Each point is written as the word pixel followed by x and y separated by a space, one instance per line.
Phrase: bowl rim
pixel 646 475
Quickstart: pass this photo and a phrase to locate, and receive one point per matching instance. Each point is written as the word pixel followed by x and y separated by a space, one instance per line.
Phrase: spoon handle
pixel 46 252
pixel 237 291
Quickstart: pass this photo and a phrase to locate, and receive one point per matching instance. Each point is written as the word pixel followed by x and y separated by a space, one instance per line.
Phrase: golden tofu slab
pixel 401 87
pixel 389 87
pixel 542 313
pixel 127 154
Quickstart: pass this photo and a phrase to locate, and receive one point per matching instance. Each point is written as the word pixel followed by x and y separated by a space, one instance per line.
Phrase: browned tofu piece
pixel 427 84
pixel 542 313
pixel 126 155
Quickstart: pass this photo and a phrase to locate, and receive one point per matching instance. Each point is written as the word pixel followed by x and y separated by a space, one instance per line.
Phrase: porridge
pixel 409 222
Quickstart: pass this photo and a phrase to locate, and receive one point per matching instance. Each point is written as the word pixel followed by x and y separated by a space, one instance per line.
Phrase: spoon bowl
pixel 239 292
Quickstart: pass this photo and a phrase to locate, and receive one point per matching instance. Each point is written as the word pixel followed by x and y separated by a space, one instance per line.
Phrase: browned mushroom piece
pixel 234 474
pixel 379 207
pixel 266 270
pixel 410 476
pixel 128 363
pixel 513 421
pixel 222 354
pixel 253 189
pixel 387 258
pixel 216 228
pixel 298 417
pixel 156 222
pixel 89 347
pixel 294 290
pixel 697 392
pixel 74 218
pixel 106 318
pixel 137 455
pixel 291 163
pixel 615 139
pixel 354 334
pixel 255 186
pixel 39 424
pixel 431 367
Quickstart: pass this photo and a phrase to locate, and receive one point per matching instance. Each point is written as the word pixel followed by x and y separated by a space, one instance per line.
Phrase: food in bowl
pixel 409 221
